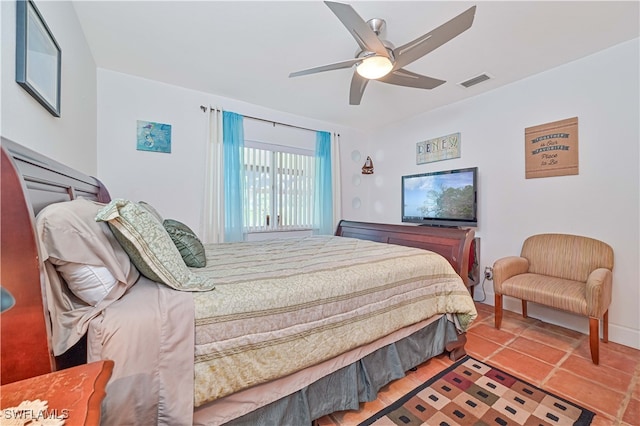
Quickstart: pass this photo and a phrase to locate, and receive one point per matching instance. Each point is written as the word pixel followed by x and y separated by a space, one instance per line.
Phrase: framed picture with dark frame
pixel 38 57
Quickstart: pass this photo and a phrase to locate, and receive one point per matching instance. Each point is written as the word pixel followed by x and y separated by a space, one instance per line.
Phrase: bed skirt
pixel 347 387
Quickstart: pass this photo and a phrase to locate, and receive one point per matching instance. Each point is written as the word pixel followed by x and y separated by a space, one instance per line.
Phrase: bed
pixel 358 313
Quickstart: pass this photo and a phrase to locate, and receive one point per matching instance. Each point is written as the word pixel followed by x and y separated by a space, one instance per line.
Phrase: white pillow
pixel 89 283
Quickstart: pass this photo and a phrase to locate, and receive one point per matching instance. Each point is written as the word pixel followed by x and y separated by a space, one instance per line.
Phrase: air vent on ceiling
pixel 475 80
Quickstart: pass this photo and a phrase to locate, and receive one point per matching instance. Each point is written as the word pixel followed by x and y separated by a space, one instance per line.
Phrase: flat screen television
pixel 446 198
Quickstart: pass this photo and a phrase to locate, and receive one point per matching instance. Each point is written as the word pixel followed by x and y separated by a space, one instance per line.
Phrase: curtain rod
pixel 204 109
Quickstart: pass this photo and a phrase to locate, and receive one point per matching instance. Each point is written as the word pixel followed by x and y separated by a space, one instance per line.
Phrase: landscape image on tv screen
pixel 440 196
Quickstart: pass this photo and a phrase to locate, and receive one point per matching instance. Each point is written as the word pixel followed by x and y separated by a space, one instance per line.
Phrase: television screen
pixel 445 198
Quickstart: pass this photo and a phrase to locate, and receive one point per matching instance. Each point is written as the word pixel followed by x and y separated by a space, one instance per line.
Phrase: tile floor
pixel 548 356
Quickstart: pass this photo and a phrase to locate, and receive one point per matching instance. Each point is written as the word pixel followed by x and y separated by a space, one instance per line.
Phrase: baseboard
pixel 617 333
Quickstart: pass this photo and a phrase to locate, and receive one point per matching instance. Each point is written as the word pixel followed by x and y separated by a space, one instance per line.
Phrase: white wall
pixel 173 183
pixel 602 202
pixel 71 138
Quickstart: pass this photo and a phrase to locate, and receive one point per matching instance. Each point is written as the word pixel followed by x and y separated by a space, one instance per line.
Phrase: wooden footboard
pixel 452 243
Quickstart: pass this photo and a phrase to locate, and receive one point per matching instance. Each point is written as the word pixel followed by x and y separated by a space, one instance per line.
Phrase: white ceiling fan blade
pixel 419 47
pixel 364 36
pixel 330 67
pixel 358 84
pixel 406 78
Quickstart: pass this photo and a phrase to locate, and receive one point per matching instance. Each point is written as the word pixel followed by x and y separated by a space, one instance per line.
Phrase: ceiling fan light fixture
pixel 374 67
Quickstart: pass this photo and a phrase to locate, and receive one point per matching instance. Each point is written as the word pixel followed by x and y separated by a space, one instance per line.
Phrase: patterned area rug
pixel 471 392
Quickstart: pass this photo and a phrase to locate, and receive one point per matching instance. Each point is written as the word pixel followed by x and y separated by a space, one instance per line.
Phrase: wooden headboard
pixel 29 182
pixel 452 243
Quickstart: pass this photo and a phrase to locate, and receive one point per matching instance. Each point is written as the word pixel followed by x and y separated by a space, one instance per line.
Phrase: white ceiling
pixel 245 50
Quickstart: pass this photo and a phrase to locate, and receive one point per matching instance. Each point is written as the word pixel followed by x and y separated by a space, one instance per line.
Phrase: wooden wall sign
pixel 442 148
pixel 551 149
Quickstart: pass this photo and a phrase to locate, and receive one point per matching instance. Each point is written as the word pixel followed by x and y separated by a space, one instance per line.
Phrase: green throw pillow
pixel 149 246
pixel 187 243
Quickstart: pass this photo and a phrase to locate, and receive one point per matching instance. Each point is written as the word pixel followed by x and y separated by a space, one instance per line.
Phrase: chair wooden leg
pixel 605 327
pixel 524 308
pixel 594 339
pixel 498 310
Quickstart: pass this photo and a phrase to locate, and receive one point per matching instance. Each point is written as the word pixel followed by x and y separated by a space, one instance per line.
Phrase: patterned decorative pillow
pixel 149 246
pixel 151 210
pixel 187 243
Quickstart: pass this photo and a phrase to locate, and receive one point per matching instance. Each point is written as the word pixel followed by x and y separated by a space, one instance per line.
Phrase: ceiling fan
pixel 378 59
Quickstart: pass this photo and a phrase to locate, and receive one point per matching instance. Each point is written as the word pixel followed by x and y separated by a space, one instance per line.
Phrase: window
pixel 279 188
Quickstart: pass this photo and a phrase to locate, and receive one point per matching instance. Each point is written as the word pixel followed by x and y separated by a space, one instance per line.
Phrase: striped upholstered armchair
pixel 566 272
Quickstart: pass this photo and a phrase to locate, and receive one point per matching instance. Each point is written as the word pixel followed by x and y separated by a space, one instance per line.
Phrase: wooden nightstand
pixel 74 394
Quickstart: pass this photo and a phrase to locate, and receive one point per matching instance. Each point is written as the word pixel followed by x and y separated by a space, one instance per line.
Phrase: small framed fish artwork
pixel 155 137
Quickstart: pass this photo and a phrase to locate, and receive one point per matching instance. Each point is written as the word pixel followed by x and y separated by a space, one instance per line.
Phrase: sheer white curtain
pixel 213 216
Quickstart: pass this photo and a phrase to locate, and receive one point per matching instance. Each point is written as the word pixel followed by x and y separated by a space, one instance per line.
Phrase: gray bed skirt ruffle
pixel 358 382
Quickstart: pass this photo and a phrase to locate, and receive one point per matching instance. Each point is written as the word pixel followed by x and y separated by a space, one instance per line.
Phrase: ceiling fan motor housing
pixel 378 26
